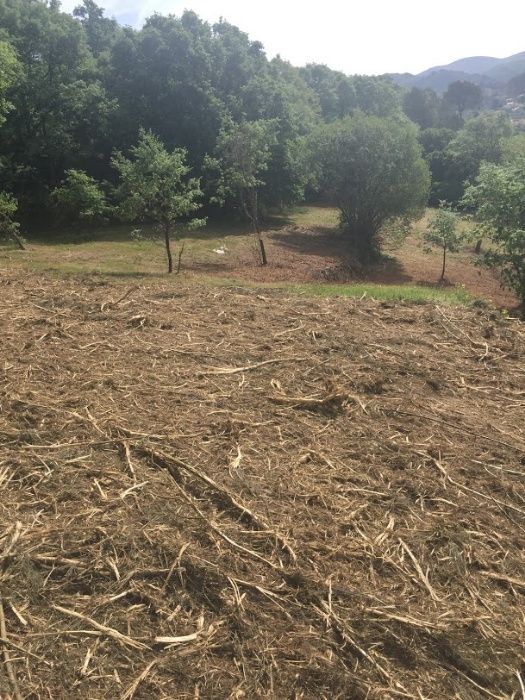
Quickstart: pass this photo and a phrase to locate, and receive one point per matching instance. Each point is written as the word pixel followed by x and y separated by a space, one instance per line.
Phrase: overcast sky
pixel 356 36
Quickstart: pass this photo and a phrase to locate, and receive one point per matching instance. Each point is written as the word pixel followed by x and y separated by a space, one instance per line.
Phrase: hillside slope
pixel 226 493
pixel 486 71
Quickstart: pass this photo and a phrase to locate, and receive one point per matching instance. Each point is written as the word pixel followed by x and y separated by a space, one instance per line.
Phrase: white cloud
pixel 373 36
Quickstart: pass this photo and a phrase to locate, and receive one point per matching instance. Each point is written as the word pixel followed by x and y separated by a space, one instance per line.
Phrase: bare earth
pixel 231 493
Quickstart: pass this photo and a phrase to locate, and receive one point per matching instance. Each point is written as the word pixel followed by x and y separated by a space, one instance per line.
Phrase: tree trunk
pixel 477 249
pixel 252 212
pixel 522 310
pixel 255 219
pixel 168 248
pixel 444 262
pixel 17 240
pixel 179 258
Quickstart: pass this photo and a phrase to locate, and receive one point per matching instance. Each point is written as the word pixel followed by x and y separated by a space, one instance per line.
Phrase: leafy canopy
pixel 243 154
pixel 154 184
pixel 372 169
pixel 9 72
pixel 497 198
pixel 463 95
pixel 80 198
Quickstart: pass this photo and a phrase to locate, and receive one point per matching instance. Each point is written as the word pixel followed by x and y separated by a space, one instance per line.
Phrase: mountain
pixel 486 71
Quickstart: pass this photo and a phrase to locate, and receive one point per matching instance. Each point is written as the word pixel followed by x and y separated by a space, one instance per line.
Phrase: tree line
pixel 100 121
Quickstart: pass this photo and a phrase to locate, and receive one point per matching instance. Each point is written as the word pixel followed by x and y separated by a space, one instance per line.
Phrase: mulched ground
pixel 225 493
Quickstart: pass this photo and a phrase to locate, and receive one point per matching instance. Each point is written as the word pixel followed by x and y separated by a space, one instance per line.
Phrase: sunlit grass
pixel 409 293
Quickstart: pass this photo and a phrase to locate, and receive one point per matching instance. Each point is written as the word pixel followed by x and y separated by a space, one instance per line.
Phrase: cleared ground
pixel 223 492
pixel 304 248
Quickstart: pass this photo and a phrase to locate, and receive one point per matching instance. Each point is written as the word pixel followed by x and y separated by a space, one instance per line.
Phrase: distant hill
pixel 485 71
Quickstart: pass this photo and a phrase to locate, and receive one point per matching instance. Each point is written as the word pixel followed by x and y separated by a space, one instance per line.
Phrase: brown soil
pixel 298 254
pixel 226 493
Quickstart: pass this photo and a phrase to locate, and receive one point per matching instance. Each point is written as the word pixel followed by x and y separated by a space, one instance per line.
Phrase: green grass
pixel 110 251
pixel 318 217
pixel 410 293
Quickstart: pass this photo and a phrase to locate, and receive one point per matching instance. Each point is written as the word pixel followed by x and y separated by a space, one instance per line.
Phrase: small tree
pixel 154 186
pixel 79 198
pixel 372 169
pixel 442 232
pixel 497 198
pixel 243 154
pixel 8 226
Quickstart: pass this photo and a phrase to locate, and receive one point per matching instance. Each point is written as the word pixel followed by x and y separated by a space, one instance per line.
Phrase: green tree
pixel 9 72
pixel 101 32
pixel 281 95
pixel 79 198
pixel 372 169
pixel 435 142
pixel 513 149
pixel 463 96
pixel 154 186
pixel 482 139
pixel 8 226
pixel 422 107
pixel 61 107
pixel 443 232
pixel 243 154
pixel 497 199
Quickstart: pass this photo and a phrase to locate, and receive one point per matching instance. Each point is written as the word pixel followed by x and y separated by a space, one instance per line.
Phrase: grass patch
pixel 314 216
pixel 111 252
pixel 401 292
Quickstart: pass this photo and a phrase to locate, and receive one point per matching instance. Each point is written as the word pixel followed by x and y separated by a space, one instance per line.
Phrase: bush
pixel 8 226
pixel 80 198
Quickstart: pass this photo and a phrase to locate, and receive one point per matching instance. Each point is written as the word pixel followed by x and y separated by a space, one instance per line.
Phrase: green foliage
pixel 281 95
pixel 8 226
pixel 154 186
pixel 341 95
pixel 434 142
pixel 79 198
pixel 101 32
pixel 244 151
pixel 481 140
pixel 243 154
pixel 371 168
pixel 463 96
pixel 9 73
pixel 497 199
pixel 422 107
pixel 61 108
pixel 8 209
pixel 443 232
pixel 513 149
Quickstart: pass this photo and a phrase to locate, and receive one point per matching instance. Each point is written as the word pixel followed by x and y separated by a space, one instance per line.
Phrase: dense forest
pixel 80 96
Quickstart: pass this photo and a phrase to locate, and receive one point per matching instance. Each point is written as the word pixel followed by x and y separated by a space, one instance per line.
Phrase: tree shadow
pixel 122 233
pixel 336 262
pixel 311 241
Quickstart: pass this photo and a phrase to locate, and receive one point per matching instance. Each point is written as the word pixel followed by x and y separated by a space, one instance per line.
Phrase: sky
pixel 355 36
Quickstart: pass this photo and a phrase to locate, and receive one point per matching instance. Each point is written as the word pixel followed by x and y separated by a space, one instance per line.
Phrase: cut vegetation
pixel 214 493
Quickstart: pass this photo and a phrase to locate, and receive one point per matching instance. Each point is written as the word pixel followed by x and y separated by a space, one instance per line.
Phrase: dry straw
pixel 218 493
